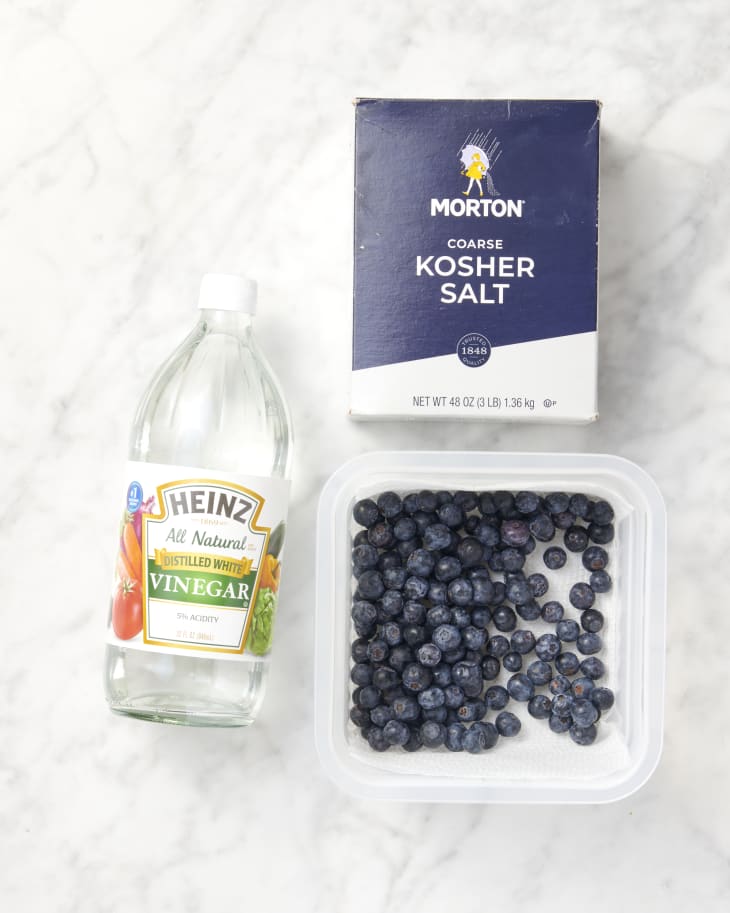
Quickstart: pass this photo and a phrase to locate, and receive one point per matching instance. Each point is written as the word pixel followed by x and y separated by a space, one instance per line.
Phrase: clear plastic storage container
pixel 538 765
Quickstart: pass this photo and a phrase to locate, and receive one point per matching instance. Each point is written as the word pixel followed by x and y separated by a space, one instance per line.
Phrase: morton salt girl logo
pixel 478 155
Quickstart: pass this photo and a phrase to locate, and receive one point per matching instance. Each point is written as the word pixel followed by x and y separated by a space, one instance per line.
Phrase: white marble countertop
pixel 146 143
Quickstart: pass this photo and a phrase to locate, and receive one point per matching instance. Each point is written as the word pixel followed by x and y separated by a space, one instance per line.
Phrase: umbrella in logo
pixel 478 154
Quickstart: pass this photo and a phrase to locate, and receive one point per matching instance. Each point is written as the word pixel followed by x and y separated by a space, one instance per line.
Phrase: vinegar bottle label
pixel 199 561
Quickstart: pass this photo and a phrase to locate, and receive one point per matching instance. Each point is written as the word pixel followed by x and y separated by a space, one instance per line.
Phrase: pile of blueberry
pixel 440 585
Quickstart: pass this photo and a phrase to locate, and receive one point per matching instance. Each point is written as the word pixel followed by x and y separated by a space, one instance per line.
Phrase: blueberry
pixel 552 612
pixel 504 618
pixel 489 732
pixel 411 503
pixel 562 704
pixel 360 716
pixel 539 672
pixel 557 502
pixel 582 687
pixel 414 612
pixel 429 655
pixel 381 715
pixel 589 643
pixel 405 549
pixel 436 536
pixel 507 724
pixel 392 633
pixel 460 592
pixel 362 674
pixel 601 535
pixel 584 713
pixel 504 502
pixel 444 497
pixel 481 617
pixel 602 513
pixel 376 739
pixel 520 687
pixel 427 501
pixel 581 596
pixel 567 663
pixel 471 710
pixel 539 706
pixel 600 581
pixel 455 733
pixel 370 585
pixel 385 677
pixel 512 560
pixel 515 532
pixel 567 630
pixel 473 638
pixel 591 620
pixel 415 742
pixel 415 588
pixel 433 734
pixel 432 698
pixel 446 637
pixel 580 506
pixel 389 504
pixel 454 656
pixel 559 723
pixel 438 615
pixel 547 647
pixel 496 697
pixel 447 568
pixel 529 547
pixel 405 529
pixel 592 667
pixel 364 613
pixel 603 698
pixel 364 556
pixel 469 551
pixel 361 538
pixel 399 657
pixel 438 714
pixel 406 708
pixel 414 635
pixel 450 515
pixel 560 684
pixel 538 584
pixel 490 668
pixel 496 562
pixel 359 650
pixel 437 592
pixel 576 539
pixel 474 740
pixel 368 697
pixel 423 521
pixel 454 696
pixel 583 735
pixel 487 534
pixel 442 675
pixel 522 641
pixel 381 535
pixel 378 651
pixel 595 558
pixel 366 513
pixel 396 732
pixel 530 611
pixel 420 563
pixel 487 504
pixel 468 675
pixel 564 520
pixel 518 591
pixel 512 662
pixel 393 694
pixel 500 592
pixel 554 557
pixel 498 646
pixel 527 502
pixel 467 500
pixel 416 677
pixel 392 603
pixel 542 528
pixel 394 577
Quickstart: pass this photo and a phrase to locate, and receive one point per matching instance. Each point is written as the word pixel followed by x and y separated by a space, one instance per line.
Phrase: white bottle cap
pixel 226 292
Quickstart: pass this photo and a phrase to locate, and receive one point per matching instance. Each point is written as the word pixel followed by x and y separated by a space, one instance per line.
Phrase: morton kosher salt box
pixel 475 259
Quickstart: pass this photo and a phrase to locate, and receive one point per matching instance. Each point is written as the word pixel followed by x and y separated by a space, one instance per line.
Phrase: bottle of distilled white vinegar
pixel 197 574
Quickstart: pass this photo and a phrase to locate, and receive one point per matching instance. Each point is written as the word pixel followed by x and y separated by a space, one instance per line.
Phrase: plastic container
pixel 538 766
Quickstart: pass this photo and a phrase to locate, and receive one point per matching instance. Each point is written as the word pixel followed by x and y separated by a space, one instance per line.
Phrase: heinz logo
pixel 211 501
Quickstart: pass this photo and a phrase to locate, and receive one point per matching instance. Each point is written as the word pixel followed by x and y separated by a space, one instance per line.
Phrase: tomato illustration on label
pixel 127 609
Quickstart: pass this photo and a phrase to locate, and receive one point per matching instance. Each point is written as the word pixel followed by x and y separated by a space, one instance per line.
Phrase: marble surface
pixel 146 143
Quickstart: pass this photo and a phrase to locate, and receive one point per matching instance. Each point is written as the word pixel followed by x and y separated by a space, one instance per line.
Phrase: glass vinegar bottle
pixel 174 651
